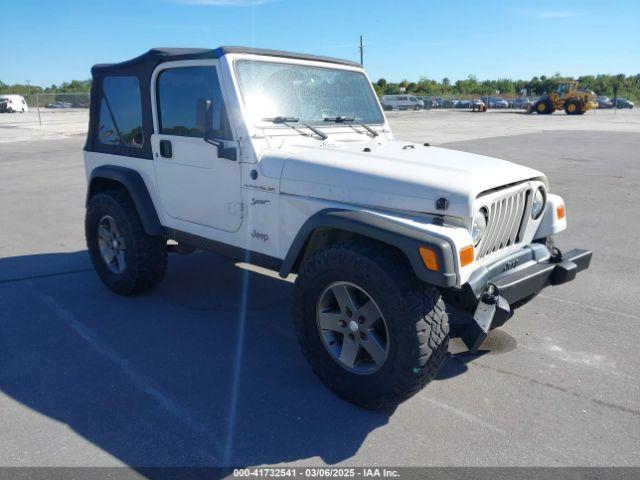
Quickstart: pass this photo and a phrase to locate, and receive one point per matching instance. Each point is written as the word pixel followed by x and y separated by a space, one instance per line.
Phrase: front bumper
pixel 555 271
pixel 491 293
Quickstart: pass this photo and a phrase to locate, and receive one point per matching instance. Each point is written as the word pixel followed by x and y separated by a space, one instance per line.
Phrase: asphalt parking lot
pixel 91 378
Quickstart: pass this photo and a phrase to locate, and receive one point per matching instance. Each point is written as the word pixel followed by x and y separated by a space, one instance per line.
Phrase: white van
pixel 13 103
pixel 401 102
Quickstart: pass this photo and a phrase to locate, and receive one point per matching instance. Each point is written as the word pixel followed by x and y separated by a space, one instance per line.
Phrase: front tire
pixel 573 107
pixel 544 107
pixel 390 332
pixel 125 258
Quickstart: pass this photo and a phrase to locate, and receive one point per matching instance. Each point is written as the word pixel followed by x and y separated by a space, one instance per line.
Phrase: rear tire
pixel 125 258
pixel 416 333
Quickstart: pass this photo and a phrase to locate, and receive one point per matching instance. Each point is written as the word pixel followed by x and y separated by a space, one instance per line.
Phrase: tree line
pixel 74 86
pixel 628 86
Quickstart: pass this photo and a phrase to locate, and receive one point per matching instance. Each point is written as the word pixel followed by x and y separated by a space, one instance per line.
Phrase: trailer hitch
pixel 492 307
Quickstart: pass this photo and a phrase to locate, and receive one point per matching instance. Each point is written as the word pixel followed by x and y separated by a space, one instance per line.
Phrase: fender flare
pixel 137 189
pixel 385 230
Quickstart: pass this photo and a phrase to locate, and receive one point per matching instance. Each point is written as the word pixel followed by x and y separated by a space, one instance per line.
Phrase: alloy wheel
pixel 111 244
pixel 352 328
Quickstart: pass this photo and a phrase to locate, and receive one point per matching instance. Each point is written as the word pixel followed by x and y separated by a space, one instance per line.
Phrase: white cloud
pixel 225 3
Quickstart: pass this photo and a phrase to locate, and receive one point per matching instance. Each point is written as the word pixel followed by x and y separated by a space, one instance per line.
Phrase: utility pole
pixel 361 48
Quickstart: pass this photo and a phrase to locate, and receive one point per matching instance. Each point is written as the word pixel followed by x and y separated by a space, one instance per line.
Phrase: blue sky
pixel 48 42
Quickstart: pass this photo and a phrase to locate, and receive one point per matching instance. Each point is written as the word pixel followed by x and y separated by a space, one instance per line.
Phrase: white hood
pixel 396 175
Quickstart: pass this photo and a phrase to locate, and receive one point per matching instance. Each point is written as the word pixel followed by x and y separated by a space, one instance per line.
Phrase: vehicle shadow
pixel 203 371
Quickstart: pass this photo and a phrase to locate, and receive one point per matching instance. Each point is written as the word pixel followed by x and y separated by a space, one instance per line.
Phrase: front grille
pixel 506 216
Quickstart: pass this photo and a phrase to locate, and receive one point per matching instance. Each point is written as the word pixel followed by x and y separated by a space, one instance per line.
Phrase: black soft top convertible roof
pixel 156 56
pixel 143 66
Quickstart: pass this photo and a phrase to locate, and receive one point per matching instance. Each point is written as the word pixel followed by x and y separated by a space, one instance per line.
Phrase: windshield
pixel 311 94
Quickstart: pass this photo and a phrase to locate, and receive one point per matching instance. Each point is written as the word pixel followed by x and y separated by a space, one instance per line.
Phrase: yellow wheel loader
pixel 567 97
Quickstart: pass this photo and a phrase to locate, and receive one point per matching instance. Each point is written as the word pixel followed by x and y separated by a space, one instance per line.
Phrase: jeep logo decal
pixel 260 236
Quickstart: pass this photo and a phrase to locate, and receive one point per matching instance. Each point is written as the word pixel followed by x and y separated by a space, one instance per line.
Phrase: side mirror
pixel 204 122
pixel 204 116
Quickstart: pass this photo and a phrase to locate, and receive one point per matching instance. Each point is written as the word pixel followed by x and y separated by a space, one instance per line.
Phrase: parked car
pixel 431 102
pixel 622 103
pixel 387 237
pixel 522 102
pixel 13 103
pixel 604 102
pixel 495 102
pixel 401 102
pixel 478 105
pixel 59 105
pixel 450 102
pixel 436 102
pixel 464 103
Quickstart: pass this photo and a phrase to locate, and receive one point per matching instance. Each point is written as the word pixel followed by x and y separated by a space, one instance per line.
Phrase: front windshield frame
pixel 261 123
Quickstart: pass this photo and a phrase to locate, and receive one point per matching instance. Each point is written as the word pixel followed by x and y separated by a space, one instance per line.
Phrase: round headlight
pixel 479 226
pixel 539 201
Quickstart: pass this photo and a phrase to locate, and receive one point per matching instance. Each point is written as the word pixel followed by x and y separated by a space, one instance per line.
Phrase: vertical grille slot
pixel 506 216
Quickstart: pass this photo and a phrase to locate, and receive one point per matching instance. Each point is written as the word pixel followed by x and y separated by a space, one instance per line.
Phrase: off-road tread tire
pixel 577 111
pixel 146 255
pixel 414 312
pixel 549 107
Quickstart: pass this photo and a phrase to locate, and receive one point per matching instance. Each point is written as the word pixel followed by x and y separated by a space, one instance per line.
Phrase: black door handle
pixel 165 149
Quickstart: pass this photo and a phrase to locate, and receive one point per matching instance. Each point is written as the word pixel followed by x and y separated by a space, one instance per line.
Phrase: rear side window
pixel 107 132
pixel 180 90
pixel 121 112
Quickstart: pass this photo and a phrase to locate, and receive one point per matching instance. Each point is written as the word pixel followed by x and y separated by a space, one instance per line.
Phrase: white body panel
pixel 397 175
pixel 196 186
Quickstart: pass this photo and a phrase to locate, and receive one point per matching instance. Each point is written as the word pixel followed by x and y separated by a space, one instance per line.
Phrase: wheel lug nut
pixel 363 336
pixel 349 313
pixel 360 319
pixel 342 323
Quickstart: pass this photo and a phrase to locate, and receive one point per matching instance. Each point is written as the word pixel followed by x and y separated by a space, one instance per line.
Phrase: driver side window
pixel 179 92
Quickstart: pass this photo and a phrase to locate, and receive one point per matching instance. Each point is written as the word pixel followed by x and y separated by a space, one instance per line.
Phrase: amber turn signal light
pixel 466 255
pixel 560 212
pixel 429 258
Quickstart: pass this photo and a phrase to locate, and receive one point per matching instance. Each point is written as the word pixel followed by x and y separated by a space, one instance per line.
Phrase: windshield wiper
pixel 349 121
pixel 289 120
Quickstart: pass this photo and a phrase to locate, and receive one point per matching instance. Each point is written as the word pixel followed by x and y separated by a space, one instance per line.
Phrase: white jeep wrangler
pixel 287 159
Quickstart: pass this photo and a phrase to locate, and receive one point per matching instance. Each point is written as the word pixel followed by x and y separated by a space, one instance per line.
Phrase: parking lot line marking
pixel 136 377
pixel 558 456
pixel 566 391
pixel 461 413
pixel 44 275
pixel 591 307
